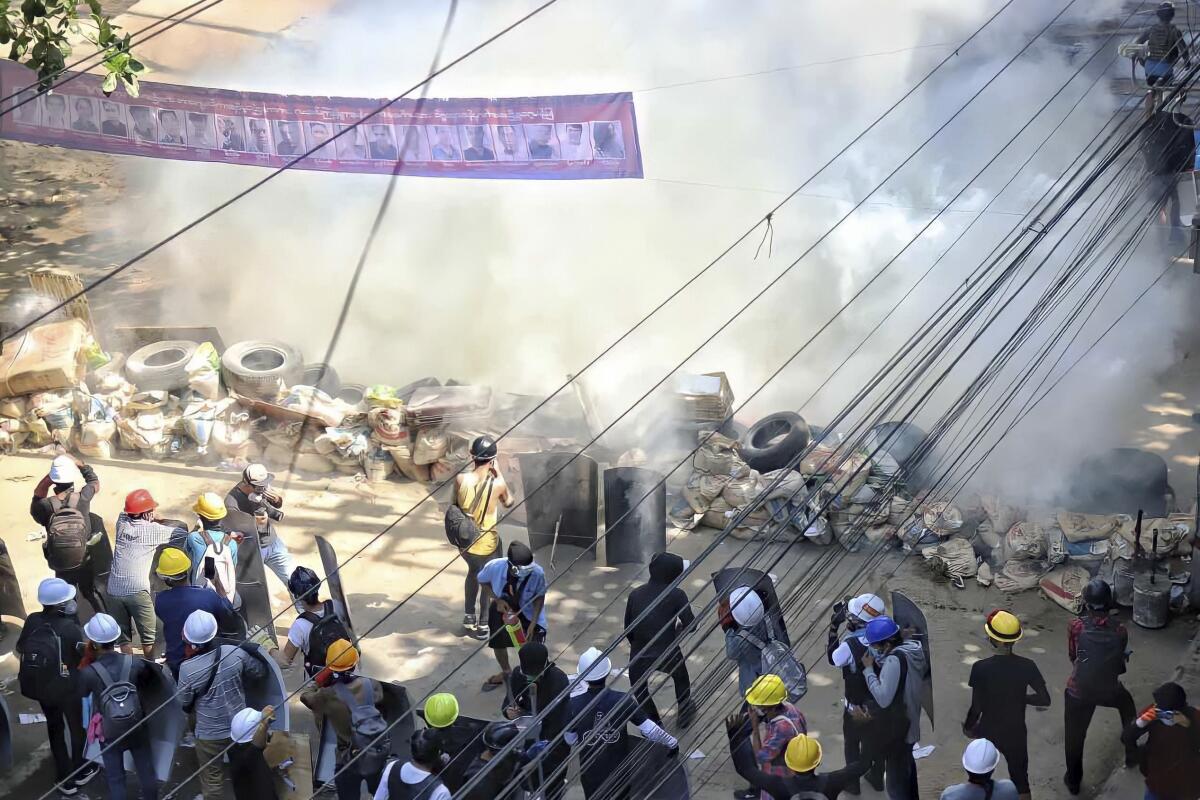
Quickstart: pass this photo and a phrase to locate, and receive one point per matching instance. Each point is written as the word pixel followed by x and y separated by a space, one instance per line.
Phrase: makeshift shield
pixel 294 782
pixel 11 604
pixel 568 503
pixel 395 708
pixel 268 691
pixel 165 721
pixel 463 742
pixel 906 614
pixel 333 580
pixel 634 528
pixel 661 776
pixel 6 737
pixel 730 578
pixel 252 578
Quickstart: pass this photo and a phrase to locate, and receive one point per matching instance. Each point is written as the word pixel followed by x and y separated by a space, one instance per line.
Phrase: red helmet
pixel 139 501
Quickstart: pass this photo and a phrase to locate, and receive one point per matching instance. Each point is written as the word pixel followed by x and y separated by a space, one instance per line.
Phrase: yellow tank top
pixel 485 518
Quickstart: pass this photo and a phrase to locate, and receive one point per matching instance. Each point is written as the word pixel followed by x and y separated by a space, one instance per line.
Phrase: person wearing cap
pixel 418 778
pixel 321 697
pixel 747 620
pixel 212 682
pixel 250 731
pixel 210 536
pixel 598 727
pixel 70 481
pixel 537 685
pixel 253 495
pixel 845 651
pixel 653 642
pixel 479 492
pixel 106 665
pixel 497 783
pixel 441 715
pixel 64 718
pixel 180 600
pixel 1171 755
pixel 980 759
pixel 514 589
pixel 140 532
pixel 1002 685
pixel 773 723
pixel 801 758
pixel 893 668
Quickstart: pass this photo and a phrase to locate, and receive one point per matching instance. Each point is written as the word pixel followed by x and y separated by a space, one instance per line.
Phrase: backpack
pixel 370 741
pixel 462 527
pixel 776 658
pixel 43 674
pixel 120 705
pixel 325 631
pixel 67 534
pixel 224 570
pixel 1099 658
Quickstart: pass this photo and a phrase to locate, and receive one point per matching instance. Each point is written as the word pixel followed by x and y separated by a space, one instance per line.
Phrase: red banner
pixel 568 137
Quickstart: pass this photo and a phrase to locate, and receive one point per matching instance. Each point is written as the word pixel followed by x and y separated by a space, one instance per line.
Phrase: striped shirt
pixel 133 556
pixel 227 696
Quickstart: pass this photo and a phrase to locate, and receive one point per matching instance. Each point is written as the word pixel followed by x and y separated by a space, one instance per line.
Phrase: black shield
pixel 635 515
pixel 6 736
pixel 906 614
pixel 11 604
pixel 569 501
pixel 728 579
pixel 269 691
pixel 252 577
pixel 333 580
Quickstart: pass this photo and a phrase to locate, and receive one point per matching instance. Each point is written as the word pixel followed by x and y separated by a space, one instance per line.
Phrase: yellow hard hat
pixel 1003 627
pixel 767 690
pixel 803 754
pixel 342 655
pixel 441 710
pixel 173 562
pixel 210 506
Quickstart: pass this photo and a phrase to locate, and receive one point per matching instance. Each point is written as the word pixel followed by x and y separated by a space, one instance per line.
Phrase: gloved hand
pixel 1147 716
pixel 838 618
pixel 673 752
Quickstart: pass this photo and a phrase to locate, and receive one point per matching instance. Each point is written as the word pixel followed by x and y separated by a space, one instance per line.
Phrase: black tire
pixel 774 441
pixel 259 368
pixel 323 377
pixel 352 393
pixel 161 366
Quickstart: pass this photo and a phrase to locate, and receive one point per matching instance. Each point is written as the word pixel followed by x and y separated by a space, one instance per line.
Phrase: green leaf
pixel 110 84
pixel 135 65
pixel 131 85
pixel 94 5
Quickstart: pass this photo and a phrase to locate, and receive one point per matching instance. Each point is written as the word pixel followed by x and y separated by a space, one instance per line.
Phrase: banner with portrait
pixel 568 137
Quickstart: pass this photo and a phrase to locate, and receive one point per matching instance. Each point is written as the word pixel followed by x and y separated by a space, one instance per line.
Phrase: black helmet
pixel 484 448
pixel 426 750
pixel 303 584
pixel 1097 595
pixel 498 734
pixel 1165 12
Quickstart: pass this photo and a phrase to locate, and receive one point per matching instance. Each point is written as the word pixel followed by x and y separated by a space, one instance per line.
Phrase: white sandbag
pixel 430 445
pixel 819 460
pixel 1020 574
pixel 39 433
pixel 714 460
pixel 791 484
pixel 13 407
pixel 204 372
pixel 96 432
pixel 741 491
pixel 1025 541
pixel 1002 515
pixel 899 509
pixel 1092 527
pixel 942 518
pixel 1064 586
pixel 691 493
pixel 954 558
pixel 102 449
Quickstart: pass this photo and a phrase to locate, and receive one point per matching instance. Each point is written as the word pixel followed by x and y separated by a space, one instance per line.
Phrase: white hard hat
pixel 746 607
pixel 200 627
pixel 63 470
pixel 867 607
pixel 980 757
pixel 592 667
pixel 241 730
pixel 102 629
pixel 55 591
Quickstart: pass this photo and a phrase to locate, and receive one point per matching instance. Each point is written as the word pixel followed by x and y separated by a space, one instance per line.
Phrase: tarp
pixel 11 604
pixel 333 582
pixel 906 614
pixel 252 577
pixel 6 736
pixel 559 137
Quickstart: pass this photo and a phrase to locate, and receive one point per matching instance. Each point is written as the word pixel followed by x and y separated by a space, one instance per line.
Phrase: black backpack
pixel 120 706
pixel 462 526
pixel 1099 658
pixel 325 631
pixel 43 674
pixel 370 740
pixel 67 533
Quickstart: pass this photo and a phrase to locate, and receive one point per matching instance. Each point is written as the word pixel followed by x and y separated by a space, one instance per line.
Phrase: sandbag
pixel 1064 586
pixel 694 496
pixel 899 509
pixel 430 445
pixel 1092 527
pixel 1056 545
pixel 388 429
pixel 819 460
pixel 1020 574
pixel 48 356
pixel 1002 515
pixel 13 407
pixel 715 459
pixel 1025 541
pixel 95 432
pixel 230 437
pixel 103 449
pixel 739 492
pixel 1172 532
pixel 204 372
pixel 790 486
pixel 954 559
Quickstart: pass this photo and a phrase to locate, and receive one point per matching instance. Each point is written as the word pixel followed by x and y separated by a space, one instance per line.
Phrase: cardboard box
pixel 48 356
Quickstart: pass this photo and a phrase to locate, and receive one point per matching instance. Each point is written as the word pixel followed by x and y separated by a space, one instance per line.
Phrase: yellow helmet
pixel 172 562
pixel 1003 627
pixel 441 710
pixel 342 655
pixel 767 690
pixel 210 506
pixel 803 754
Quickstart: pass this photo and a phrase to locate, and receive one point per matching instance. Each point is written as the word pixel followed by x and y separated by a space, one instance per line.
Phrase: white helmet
pixel 102 629
pixel 200 627
pixel 745 606
pixel 592 667
pixel 63 470
pixel 980 757
pixel 867 607
pixel 244 723
pixel 55 592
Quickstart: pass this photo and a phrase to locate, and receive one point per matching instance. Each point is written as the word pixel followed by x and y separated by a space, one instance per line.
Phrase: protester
pixel 250 732
pixel 49 649
pixel 656 637
pixel 212 685
pixel 417 778
pixel 212 549
pixel 479 492
pixel 497 783
pixel 317 627
pixel 599 717
pixel 801 757
pixel 253 495
pixel 773 723
pixel 1167 45
pixel 893 668
pixel 350 703
pixel 140 532
pixel 1097 647
pixel 112 679
pixel 980 760
pixel 514 589
pixel 180 600
pixel 747 618
pixel 1170 759
pixel 537 685
pixel 454 738
pixel 66 514
pixel 858 705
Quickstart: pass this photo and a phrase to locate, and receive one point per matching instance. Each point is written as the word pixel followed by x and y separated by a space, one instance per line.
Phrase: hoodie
pixel 670 610
pixel 883 686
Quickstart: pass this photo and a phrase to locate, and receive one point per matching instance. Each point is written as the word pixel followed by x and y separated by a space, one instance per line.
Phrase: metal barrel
pixel 1124 575
pixel 634 529
pixel 1151 602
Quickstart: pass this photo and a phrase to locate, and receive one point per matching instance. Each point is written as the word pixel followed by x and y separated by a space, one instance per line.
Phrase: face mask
pixel 69 608
pixel 1166 717
pixel 521 572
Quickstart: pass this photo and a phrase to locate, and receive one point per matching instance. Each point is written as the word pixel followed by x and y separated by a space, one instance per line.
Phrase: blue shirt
pixel 173 607
pixel 495 574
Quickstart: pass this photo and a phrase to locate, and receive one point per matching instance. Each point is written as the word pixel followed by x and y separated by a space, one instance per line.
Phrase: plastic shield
pixel 165 722
pixel 906 614
pixel 269 691
pixel 11 604
pixel 333 580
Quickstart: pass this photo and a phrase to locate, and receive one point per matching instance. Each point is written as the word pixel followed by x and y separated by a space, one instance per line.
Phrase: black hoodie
pixel 656 633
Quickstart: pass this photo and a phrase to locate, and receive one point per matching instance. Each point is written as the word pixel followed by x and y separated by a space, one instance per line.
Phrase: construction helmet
pixel 980 757
pixel 484 449
pixel 63 470
pixel 54 592
pixel 746 607
pixel 803 754
pixel 1003 627
pixel 593 667
pixel 767 690
pixel 303 584
pixel 172 563
pixel 200 627
pixel 210 506
pixel 102 629
pixel 342 656
pixel 1097 595
pixel 881 629
pixel 244 723
pixel 441 710
pixel 866 607
pixel 139 501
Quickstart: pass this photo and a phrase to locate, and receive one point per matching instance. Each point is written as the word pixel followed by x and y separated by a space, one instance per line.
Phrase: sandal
pixel 493 683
